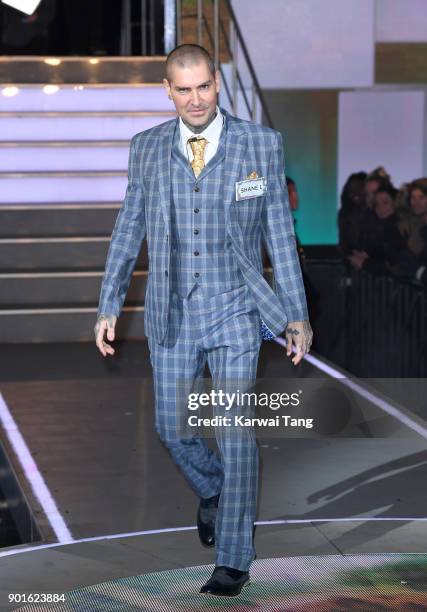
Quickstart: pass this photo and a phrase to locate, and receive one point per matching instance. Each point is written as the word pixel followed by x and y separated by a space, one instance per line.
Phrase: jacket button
pixel 196 210
pixel 196 274
pixel 196 231
pixel 196 252
pixel 196 188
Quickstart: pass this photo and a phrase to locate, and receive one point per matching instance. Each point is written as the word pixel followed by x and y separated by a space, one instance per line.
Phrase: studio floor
pixel 121 508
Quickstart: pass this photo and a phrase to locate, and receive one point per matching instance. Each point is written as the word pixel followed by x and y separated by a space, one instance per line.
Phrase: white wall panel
pixel 401 21
pixel 381 128
pixel 297 44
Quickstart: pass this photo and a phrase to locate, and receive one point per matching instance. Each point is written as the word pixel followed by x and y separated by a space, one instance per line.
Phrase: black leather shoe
pixel 226 581
pixel 206 516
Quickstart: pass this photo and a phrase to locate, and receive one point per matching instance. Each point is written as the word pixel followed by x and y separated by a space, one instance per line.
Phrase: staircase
pixel 63 175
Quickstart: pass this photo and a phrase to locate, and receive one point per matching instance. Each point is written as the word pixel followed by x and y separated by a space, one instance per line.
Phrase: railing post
pixel 216 33
pixel 178 22
pixel 233 46
pixel 126 30
pixel 200 22
pixel 253 102
pixel 153 5
pixel 171 20
pixel 143 28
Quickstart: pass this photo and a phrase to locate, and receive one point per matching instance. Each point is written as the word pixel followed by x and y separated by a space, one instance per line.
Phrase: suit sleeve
pixel 126 241
pixel 279 238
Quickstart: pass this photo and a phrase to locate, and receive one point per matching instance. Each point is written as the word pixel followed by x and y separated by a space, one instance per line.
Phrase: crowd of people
pixel 383 229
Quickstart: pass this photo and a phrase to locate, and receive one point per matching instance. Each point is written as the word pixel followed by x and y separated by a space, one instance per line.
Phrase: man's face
pixel 194 92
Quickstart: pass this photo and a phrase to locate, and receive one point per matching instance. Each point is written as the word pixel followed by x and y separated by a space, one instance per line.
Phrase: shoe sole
pixel 248 581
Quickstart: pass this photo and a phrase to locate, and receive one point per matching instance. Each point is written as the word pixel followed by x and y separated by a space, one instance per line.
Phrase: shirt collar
pixel 211 133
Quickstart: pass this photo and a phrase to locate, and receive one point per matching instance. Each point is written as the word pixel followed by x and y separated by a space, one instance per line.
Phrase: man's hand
pixel 301 334
pixel 105 322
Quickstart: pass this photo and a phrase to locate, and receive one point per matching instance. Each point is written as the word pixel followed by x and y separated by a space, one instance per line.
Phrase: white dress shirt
pixel 212 134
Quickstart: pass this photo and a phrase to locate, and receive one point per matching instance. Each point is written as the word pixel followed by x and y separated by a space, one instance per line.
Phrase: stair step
pixel 64 150
pixel 61 289
pixel 58 254
pixel 77 126
pixel 71 97
pixel 65 325
pixel 82 70
pixel 58 220
pixel 63 156
pixel 45 187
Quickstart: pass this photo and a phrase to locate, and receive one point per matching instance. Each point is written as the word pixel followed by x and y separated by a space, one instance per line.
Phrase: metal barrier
pixel 373 326
pixel 386 325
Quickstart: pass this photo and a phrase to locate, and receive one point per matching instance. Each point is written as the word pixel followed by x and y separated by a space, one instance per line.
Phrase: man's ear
pixel 167 87
pixel 217 80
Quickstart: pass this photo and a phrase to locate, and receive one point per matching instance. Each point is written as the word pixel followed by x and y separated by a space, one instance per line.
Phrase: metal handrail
pixel 249 64
pixel 232 48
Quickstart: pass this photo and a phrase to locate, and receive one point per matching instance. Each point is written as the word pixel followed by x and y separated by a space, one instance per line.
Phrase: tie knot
pixel 198 146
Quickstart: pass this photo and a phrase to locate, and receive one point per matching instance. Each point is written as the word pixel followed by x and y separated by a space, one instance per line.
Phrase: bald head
pixel 187 56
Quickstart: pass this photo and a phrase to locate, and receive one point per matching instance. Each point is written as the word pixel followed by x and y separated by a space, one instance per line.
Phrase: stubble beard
pixel 197 129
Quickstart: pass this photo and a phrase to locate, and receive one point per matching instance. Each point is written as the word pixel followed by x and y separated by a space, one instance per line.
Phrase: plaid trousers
pixel 223 329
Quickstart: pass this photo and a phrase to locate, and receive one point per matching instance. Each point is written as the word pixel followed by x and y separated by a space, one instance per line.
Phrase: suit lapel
pixel 235 153
pixel 164 154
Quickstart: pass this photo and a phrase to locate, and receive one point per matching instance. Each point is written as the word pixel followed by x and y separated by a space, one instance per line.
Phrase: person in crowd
pixel 374 179
pixel 373 182
pixel 351 213
pixel 312 294
pixel 380 249
pixel 414 217
pixel 414 260
pixel 293 193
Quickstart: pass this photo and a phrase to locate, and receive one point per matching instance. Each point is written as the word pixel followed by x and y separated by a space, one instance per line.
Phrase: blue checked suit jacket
pixel 145 213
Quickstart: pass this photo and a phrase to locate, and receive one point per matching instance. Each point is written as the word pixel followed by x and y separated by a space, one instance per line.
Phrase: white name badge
pixel 251 188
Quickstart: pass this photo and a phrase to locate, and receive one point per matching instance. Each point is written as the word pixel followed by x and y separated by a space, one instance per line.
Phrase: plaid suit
pixel 205 296
pixel 146 212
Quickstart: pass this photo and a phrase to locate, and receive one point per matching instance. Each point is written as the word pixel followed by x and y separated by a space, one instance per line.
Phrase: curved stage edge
pixel 294 584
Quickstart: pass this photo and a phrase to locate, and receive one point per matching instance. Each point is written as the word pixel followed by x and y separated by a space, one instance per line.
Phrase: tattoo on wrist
pixel 109 318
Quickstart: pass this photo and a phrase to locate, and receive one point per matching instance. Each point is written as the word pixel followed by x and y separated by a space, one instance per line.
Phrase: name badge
pixel 251 188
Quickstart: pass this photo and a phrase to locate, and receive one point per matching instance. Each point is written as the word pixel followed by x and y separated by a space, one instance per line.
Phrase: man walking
pixel 205 189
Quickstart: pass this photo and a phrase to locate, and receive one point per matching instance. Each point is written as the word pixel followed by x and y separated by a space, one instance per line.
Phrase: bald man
pixel 206 189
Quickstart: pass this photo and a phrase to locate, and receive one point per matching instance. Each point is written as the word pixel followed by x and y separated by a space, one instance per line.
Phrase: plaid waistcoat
pixel 201 250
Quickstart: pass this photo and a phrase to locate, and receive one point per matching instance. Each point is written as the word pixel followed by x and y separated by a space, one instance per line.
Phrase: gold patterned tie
pixel 198 147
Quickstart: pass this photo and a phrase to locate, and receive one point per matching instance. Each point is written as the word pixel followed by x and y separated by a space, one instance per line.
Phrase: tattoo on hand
pixel 306 335
pixel 111 319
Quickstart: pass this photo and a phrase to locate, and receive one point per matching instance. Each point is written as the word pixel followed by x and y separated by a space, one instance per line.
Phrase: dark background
pixel 78 27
